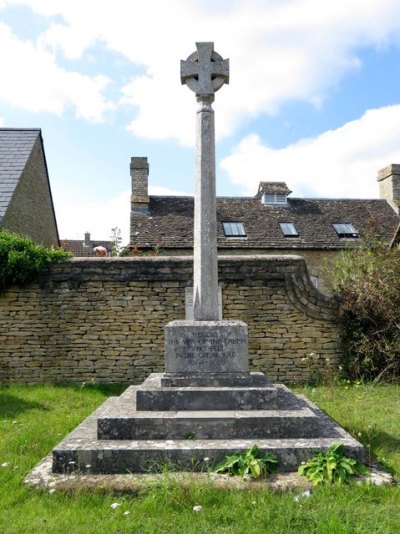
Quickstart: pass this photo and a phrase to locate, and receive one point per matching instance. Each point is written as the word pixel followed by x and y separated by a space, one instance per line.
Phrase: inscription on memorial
pixel 207 348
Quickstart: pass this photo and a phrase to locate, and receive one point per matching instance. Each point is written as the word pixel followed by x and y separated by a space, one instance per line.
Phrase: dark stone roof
pixel 77 247
pixel 169 221
pixel 15 148
pixel 273 187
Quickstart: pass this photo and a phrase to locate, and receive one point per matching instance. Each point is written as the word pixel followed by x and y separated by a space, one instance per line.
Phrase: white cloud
pixel 97 216
pixel 337 163
pixel 159 190
pixel 279 51
pixel 32 80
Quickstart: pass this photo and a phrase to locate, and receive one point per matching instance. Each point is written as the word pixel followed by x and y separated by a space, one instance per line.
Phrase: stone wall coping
pixel 291 270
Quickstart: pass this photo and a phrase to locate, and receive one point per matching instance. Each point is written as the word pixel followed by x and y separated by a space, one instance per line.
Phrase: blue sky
pixel 313 99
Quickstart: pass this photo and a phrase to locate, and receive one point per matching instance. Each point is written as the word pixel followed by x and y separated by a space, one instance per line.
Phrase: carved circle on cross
pixel 205 71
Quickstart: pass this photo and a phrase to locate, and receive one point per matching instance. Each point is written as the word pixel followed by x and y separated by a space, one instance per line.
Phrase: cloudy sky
pixel 313 99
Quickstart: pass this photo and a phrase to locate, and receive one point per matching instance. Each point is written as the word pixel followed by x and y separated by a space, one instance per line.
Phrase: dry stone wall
pixel 102 319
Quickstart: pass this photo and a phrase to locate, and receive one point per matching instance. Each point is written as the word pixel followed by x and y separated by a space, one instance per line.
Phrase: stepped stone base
pixel 124 437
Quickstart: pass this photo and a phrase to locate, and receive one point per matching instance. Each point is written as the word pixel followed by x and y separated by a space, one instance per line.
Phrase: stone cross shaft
pixel 204 72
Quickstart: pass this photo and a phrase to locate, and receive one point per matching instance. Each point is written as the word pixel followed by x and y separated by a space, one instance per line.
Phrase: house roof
pixel 77 247
pixel 169 221
pixel 15 148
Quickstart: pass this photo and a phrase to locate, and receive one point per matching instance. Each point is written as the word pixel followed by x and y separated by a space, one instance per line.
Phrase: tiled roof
pixel 15 148
pixel 77 247
pixel 170 221
pixel 273 187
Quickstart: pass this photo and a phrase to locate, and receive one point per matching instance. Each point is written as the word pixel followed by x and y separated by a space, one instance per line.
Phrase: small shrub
pixel 21 260
pixel 367 286
pixel 250 462
pixel 331 467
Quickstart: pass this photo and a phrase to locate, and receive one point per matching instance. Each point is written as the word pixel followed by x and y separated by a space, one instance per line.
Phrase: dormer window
pixel 345 230
pixel 234 229
pixel 275 198
pixel 289 230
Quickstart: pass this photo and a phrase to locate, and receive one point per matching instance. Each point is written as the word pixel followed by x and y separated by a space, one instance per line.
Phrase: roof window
pixel 275 198
pixel 234 229
pixel 289 230
pixel 345 230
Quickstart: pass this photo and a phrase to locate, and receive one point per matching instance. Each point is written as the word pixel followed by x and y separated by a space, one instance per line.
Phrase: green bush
pixel 367 286
pixel 21 260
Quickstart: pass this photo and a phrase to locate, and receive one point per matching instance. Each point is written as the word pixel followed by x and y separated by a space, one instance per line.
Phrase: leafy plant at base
pixel 250 462
pixel 21 260
pixel 331 467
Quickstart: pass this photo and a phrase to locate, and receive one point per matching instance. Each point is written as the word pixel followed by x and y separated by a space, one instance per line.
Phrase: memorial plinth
pixel 207 403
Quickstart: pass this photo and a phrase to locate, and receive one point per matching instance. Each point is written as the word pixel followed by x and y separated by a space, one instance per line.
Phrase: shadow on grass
pixel 11 406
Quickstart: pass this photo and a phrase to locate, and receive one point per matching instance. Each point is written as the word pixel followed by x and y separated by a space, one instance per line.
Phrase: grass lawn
pixel 34 419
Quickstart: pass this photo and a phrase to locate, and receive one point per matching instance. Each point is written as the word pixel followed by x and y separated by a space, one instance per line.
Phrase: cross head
pixel 204 71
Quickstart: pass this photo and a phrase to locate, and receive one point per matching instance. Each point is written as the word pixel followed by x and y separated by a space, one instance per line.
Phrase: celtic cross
pixel 204 72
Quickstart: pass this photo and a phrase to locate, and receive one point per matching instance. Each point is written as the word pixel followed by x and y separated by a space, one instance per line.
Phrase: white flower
pixel 126 513
pixel 5 464
pixel 115 505
pixel 206 459
pixel 327 359
pixel 88 466
pixel 52 490
pixel 306 493
pixel 71 463
pixel 197 508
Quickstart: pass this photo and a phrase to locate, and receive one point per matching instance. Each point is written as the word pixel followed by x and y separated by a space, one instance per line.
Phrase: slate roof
pixel 77 247
pixel 15 148
pixel 170 221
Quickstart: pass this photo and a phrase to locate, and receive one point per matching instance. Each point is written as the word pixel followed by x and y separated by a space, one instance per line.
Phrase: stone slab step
pixel 211 398
pixel 214 379
pixel 82 452
pixel 126 423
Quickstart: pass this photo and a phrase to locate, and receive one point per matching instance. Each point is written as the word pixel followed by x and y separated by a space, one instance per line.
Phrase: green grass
pixel 34 419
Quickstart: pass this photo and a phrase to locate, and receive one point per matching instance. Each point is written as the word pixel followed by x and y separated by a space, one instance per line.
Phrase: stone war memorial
pixel 207 403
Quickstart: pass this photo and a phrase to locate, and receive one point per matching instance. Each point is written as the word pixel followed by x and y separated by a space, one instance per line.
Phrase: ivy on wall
pixel 22 260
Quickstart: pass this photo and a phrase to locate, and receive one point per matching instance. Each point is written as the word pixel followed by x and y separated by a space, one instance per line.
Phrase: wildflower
pixel 340 368
pixel 88 466
pixel 5 464
pixel 327 360
pixel 306 493
pixel 197 508
pixel 71 463
pixel 52 490
pixel 115 505
pixel 206 459
pixel 127 512
pixel 359 434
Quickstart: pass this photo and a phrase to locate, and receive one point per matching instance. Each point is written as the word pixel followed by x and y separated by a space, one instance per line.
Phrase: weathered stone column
pixel 205 265
pixel 204 72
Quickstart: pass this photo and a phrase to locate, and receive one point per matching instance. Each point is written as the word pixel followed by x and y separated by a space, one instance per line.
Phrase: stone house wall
pixel 30 212
pixel 102 319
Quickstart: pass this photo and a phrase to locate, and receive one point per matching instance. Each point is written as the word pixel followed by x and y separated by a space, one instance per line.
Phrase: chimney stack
pixel 140 184
pixel 87 240
pixel 389 185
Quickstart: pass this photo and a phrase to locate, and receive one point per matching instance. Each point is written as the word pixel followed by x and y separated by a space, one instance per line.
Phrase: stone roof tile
pixel 169 222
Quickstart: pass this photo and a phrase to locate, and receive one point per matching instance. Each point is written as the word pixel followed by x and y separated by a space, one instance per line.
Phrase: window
pixel 289 230
pixel 345 230
pixel 274 198
pixel 234 229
